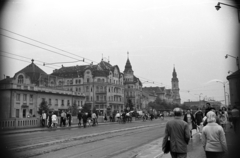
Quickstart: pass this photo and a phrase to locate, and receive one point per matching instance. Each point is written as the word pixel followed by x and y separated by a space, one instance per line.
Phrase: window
pixel 17 113
pixel 31 98
pixel 56 102
pixel 79 89
pixel 97 97
pixel 76 81
pixel 30 111
pixel 87 98
pixel 50 101
pixel 25 97
pixel 78 103
pixel 18 97
pixel 88 80
pixel 104 98
pixel 20 79
pixel 68 102
pixel 91 98
pixel 81 102
pixel 103 80
pixel 62 102
pixel 87 89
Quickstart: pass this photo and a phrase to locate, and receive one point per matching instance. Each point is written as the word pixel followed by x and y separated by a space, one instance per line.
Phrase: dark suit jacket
pixel 178 132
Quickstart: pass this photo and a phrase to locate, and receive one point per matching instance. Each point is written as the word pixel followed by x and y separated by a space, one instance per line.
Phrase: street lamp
pixel 228 97
pixel 224 83
pixel 236 7
pixel 237 61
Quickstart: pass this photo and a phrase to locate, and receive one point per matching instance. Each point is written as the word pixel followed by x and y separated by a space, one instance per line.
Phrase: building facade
pixel 133 87
pixel 22 94
pixel 234 88
pixel 102 84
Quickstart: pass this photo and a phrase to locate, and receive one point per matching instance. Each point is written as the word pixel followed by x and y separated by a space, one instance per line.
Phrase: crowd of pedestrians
pixel 211 126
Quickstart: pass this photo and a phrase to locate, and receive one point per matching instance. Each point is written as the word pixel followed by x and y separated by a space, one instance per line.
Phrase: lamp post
pixel 236 7
pixel 224 83
pixel 228 97
pixel 237 61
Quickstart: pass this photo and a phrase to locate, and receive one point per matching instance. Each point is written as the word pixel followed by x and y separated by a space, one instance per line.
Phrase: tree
pixel 73 109
pixel 86 108
pixel 43 107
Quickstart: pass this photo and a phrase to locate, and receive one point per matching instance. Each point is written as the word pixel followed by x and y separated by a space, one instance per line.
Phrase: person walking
pixel 189 118
pixel 213 138
pixel 85 119
pixel 199 119
pixel 94 117
pixel 49 119
pixel 44 117
pixel 178 132
pixel 235 118
pixel 69 118
pixel 79 117
pixel 223 117
pixel 54 120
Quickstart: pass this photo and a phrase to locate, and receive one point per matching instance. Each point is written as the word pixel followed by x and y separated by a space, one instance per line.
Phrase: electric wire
pixel 46 44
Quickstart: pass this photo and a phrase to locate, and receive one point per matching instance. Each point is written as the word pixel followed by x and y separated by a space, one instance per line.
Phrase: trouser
pixel 43 122
pixel 61 121
pixel 235 123
pixel 79 123
pixel 84 123
pixel 214 154
pixel 178 155
pixel 69 121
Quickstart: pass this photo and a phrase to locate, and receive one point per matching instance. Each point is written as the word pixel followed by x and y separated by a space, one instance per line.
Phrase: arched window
pixel 102 80
pixel 98 80
pixel 20 79
pixel 76 81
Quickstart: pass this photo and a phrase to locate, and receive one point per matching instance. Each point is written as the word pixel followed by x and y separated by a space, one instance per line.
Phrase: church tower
pixel 175 88
pixel 128 72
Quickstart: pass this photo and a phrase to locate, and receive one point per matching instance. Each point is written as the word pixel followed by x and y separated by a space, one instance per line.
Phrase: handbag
pixel 167 147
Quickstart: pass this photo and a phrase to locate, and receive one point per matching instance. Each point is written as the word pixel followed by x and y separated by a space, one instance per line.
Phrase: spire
pixel 174 72
pixel 128 64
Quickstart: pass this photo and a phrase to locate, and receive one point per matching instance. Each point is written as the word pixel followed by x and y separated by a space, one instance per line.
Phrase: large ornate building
pixel 102 84
pixel 133 87
pixel 22 94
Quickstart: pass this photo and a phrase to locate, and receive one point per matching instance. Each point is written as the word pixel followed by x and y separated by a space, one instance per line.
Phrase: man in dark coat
pixel 178 132
pixel 85 118
pixel 69 118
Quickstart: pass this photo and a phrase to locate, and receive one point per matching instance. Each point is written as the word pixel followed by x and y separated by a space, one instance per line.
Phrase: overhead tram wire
pixel 24 57
pixel 25 61
pixel 46 44
pixel 38 46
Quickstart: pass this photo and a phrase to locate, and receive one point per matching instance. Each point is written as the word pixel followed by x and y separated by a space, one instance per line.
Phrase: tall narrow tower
pixel 175 88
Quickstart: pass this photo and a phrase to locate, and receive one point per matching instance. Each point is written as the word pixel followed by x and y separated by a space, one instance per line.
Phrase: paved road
pixel 102 141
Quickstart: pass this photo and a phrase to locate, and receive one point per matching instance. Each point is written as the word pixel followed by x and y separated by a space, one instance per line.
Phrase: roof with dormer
pixel 33 72
pixel 101 69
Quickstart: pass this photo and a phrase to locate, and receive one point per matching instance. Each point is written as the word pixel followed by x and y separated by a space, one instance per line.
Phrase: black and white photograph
pixel 119 79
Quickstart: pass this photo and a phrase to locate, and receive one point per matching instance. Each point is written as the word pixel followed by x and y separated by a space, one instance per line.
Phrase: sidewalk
pixel 195 148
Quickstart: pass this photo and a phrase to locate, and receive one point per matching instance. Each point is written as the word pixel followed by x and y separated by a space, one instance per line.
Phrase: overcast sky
pixel 158 34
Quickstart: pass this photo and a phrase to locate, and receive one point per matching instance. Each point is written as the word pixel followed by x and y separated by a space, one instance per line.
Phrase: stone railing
pixel 19 123
pixel 16 123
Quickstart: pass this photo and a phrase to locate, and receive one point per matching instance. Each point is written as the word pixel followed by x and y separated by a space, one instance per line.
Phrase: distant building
pixel 202 104
pixel 133 87
pixel 22 94
pixel 234 88
pixel 168 95
pixel 175 88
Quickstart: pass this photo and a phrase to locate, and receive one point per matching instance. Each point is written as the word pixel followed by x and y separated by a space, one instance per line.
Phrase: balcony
pixel 101 92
